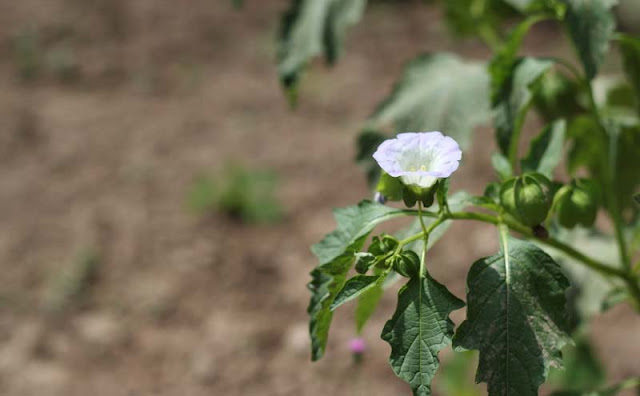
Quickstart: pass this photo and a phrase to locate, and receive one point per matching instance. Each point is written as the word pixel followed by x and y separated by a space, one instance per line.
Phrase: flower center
pixel 417 161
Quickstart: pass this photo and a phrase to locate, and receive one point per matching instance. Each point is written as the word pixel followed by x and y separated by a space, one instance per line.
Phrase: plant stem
pixel 610 189
pixel 425 233
pixel 630 280
pixel 527 232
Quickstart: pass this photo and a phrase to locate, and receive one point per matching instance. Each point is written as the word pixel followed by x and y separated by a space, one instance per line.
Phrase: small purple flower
pixel 419 158
pixel 357 346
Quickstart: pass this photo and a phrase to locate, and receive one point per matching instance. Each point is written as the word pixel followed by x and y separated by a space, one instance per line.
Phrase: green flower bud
pixel 527 198
pixel 381 245
pixel 577 203
pixel 407 264
pixel 412 194
pixel 364 260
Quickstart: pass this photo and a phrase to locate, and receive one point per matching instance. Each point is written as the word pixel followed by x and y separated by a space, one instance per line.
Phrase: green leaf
pixel 237 3
pixel 515 317
pixel 607 154
pixel 545 150
pixel 442 193
pixel 502 166
pixel 367 304
pixel 312 27
pixel 418 330
pixel 553 6
pixel 513 100
pixel 336 253
pixel 354 287
pixel 557 95
pixel 590 24
pixel 354 225
pixel 325 284
pixel 630 48
pixel 390 187
pixel 367 143
pixel 501 66
pixel 437 92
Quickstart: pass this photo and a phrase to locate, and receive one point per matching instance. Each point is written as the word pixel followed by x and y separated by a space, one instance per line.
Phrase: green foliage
pixel 513 100
pixel 609 156
pixel 591 25
pixel 336 255
pixel 310 28
pixel 418 330
pixel 558 96
pixel 390 187
pixel 630 49
pixel 437 92
pixel 248 195
pixel 577 203
pixel 502 166
pixel 354 287
pixel 517 324
pixel 367 143
pixel 521 307
pixel 366 306
pixel 545 150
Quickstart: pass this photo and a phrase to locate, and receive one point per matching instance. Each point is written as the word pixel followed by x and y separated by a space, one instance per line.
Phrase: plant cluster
pixel 556 266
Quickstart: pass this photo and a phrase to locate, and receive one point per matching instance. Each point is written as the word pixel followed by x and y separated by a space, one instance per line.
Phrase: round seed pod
pixel 527 198
pixel 577 203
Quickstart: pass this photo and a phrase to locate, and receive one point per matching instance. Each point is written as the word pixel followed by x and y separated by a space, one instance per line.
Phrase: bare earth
pixel 182 305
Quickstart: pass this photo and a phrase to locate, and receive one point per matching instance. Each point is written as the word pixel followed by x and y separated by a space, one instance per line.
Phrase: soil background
pixel 106 122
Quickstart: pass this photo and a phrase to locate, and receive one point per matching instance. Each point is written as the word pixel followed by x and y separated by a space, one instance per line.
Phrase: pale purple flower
pixel 357 346
pixel 419 158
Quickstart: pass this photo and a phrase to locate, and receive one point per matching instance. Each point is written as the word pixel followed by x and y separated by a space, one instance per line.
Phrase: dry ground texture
pixel 101 136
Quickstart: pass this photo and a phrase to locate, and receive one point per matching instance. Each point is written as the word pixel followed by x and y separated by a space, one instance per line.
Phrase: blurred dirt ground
pixel 108 111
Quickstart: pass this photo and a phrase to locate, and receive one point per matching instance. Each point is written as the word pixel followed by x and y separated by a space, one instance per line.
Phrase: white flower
pixel 419 159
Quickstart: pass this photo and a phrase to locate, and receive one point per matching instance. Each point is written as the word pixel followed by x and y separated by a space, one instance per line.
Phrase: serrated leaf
pixel 354 287
pixel 630 48
pixel 310 28
pixel 545 150
pixel 418 330
pixel 502 166
pixel 515 318
pixel 437 92
pixel 514 99
pixel 590 24
pixel 336 254
pixel 354 223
